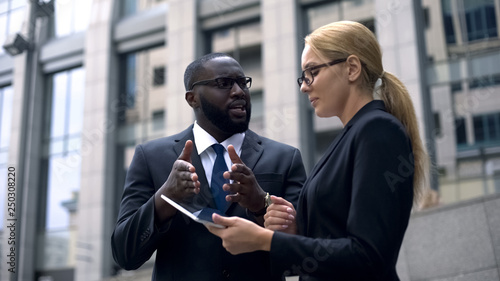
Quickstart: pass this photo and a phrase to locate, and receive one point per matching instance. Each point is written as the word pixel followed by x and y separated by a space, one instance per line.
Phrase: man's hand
pixel 182 183
pixel 245 189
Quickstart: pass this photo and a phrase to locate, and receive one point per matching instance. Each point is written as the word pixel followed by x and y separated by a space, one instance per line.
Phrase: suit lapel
pixel 373 105
pixel 328 152
pixel 251 149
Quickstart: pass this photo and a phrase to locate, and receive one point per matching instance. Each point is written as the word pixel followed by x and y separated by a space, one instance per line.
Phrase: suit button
pixel 225 273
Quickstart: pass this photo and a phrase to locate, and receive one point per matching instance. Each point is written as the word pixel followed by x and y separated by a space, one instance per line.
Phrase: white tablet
pixel 203 216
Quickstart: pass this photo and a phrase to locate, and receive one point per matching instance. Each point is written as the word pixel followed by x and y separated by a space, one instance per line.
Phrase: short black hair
pixel 194 69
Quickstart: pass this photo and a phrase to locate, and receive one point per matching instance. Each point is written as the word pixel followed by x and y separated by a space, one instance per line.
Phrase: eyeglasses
pixel 308 75
pixel 227 82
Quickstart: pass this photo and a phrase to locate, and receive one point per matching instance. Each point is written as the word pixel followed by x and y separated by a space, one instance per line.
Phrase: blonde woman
pixel 354 208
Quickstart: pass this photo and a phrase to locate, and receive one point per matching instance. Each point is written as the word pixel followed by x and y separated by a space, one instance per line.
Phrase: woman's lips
pixel 313 101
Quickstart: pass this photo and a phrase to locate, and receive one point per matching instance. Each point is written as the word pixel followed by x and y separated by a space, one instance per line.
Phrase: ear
pixel 192 99
pixel 354 67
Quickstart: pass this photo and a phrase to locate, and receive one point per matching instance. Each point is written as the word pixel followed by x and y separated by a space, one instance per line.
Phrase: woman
pixel 354 208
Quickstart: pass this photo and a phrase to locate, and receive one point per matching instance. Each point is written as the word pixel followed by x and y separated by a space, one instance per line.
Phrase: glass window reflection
pixel 59 95
pixel 71 16
pixel 66 122
pixel 62 167
pixel 130 7
pixel 6 95
pixel 63 181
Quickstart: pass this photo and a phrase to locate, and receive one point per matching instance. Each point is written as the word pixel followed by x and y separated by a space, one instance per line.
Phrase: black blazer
pixel 354 208
pixel 185 250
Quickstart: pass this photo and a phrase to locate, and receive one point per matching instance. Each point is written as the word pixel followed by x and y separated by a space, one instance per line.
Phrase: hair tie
pixel 382 75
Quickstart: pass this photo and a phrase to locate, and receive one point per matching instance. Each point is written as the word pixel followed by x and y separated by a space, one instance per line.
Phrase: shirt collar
pixel 204 140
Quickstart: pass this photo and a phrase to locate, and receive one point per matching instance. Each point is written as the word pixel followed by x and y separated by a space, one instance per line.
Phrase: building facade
pixel 86 81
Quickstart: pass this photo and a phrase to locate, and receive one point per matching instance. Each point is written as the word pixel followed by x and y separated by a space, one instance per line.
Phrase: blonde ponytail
pixel 398 102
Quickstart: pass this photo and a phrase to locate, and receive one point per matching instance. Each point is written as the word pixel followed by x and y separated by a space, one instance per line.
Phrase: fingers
pixel 280 214
pixel 225 221
pixel 280 201
pixel 233 197
pixel 239 174
pixel 185 171
pixel 186 152
pixel 233 155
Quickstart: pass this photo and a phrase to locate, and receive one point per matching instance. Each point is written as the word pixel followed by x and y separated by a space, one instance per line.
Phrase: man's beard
pixel 221 118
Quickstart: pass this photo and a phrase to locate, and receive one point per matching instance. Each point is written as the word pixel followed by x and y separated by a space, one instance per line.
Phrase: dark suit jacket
pixel 185 250
pixel 354 207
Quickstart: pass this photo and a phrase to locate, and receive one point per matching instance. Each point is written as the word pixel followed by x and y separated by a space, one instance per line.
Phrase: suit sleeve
pixel 135 236
pixel 295 178
pixel 381 200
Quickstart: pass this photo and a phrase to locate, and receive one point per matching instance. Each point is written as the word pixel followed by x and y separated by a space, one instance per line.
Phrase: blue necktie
pixel 217 179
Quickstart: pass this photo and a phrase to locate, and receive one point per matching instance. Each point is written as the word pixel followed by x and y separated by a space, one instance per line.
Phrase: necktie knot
pixel 219 149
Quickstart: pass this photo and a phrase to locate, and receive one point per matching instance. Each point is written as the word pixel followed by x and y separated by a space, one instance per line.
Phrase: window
pixel 485 81
pixel 130 80
pixel 61 167
pixel 142 104
pixel 448 22
pixel 141 112
pixel 427 18
pixel 478 129
pixel 460 131
pixel 130 7
pixel 158 120
pixel 437 124
pixel 456 87
pixel 480 19
pixel 487 129
pixel 11 18
pixel 159 76
pixel 6 95
pixel 71 16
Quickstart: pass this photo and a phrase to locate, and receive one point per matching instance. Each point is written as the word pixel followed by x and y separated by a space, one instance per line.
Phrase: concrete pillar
pixel 280 67
pixel 24 152
pixel 182 30
pixel 96 198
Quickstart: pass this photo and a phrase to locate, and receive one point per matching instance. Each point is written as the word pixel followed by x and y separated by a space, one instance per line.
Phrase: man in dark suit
pixel 218 92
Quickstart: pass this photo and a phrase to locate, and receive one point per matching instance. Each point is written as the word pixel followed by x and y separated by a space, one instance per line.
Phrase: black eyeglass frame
pixel 303 78
pixel 247 85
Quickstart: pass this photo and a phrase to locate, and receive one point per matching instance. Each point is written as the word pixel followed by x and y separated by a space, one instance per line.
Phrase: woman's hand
pixel 241 235
pixel 280 216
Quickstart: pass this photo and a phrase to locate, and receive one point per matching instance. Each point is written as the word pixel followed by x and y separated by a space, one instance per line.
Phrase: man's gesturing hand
pixel 182 183
pixel 245 189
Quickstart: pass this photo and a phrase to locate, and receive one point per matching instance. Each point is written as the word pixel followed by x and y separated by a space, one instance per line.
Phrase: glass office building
pixel 97 78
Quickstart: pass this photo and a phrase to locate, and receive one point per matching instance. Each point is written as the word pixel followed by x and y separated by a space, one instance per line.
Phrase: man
pixel 218 92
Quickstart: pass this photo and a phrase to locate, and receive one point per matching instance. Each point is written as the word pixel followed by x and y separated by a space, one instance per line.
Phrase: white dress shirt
pixel 204 142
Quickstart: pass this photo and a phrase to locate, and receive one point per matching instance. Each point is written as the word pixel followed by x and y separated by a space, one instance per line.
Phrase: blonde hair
pixel 344 38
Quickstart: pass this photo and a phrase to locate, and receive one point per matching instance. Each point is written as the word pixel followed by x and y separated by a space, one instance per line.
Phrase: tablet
pixel 203 216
